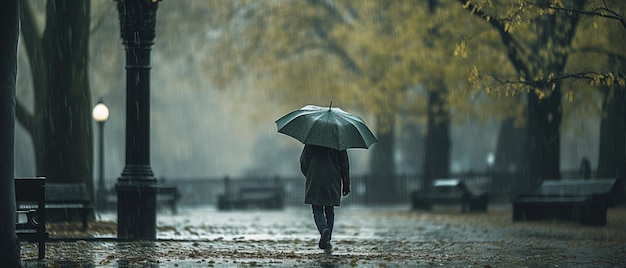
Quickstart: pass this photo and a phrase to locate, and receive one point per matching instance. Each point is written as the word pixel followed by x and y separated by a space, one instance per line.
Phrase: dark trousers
pixel 324 217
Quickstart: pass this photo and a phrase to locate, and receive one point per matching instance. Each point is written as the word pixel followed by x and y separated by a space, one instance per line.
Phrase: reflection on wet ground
pixel 364 236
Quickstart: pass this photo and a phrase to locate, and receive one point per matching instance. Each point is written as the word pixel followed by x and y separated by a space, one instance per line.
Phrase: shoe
pixel 324 239
pixel 329 248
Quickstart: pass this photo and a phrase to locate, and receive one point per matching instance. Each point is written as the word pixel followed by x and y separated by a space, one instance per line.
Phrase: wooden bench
pixel 471 196
pixel 67 198
pixel 30 197
pixel 265 197
pixel 583 201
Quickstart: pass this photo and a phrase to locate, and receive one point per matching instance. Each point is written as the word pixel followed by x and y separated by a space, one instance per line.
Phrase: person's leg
pixel 319 218
pixel 329 211
pixel 330 218
pixel 322 226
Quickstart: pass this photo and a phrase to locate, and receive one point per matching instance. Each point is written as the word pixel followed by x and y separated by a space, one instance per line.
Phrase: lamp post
pixel 100 114
pixel 136 188
pixel 491 160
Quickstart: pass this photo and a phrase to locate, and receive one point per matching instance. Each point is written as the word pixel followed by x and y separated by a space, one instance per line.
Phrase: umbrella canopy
pixel 326 126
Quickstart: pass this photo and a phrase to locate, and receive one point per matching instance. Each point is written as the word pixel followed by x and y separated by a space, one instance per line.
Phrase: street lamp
pixel 137 187
pixel 100 114
pixel 491 160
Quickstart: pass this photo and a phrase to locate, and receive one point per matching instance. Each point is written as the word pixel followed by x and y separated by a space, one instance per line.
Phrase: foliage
pixel 366 55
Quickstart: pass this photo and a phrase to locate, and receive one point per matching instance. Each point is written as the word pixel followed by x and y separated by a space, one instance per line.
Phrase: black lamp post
pixel 136 187
pixel 100 114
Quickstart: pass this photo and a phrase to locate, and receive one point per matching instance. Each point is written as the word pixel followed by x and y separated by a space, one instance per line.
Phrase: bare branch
pixel 32 41
pixel 30 32
pixel 604 12
pixel 594 77
pixel 516 50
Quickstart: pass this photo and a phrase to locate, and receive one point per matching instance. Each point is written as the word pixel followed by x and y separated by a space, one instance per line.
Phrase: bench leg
pixel 465 206
pixel 419 203
pixel 42 249
pixel 592 215
pixel 174 208
pixel 85 218
pixel 519 212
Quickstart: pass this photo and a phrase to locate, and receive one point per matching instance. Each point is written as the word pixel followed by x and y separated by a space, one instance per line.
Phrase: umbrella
pixel 326 126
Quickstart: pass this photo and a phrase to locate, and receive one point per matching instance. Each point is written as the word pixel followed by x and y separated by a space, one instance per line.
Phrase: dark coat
pixel 325 170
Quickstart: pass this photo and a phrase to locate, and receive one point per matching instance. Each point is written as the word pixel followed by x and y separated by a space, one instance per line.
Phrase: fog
pixel 200 131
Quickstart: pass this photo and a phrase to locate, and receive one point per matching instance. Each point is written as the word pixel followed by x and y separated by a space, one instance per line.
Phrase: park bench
pixel 65 200
pixel 30 197
pixel 168 195
pixel 263 197
pixel 451 191
pixel 583 201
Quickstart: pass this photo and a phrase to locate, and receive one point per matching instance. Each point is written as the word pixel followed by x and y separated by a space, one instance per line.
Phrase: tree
pixel 612 156
pixel 438 145
pixel 607 50
pixel 9 30
pixel 598 57
pixel 538 40
pixel 60 124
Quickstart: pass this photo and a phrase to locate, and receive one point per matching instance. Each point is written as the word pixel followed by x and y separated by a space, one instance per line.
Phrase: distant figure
pixel 585 168
pixel 327 179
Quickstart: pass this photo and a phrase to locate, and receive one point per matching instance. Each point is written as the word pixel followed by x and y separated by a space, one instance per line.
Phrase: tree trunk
pixel 9 244
pixel 61 124
pixel 510 148
pixel 544 139
pixel 612 158
pixel 437 153
pixel 382 181
pixel 68 128
pixel 510 157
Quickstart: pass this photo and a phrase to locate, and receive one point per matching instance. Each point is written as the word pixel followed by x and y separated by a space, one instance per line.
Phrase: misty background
pixel 202 132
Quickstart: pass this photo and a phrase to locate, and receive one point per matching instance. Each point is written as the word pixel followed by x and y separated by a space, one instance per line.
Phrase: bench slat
pixel 576 187
pixel 584 201
pixel 270 197
pixel 67 193
pixel 551 199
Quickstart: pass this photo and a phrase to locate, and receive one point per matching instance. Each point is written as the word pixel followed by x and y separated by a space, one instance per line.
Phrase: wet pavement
pixel 363 237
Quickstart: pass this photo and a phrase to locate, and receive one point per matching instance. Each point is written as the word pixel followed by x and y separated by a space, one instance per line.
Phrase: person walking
pixel 327 178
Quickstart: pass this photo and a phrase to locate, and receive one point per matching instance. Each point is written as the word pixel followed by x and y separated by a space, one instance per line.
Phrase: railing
pixel 202 191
